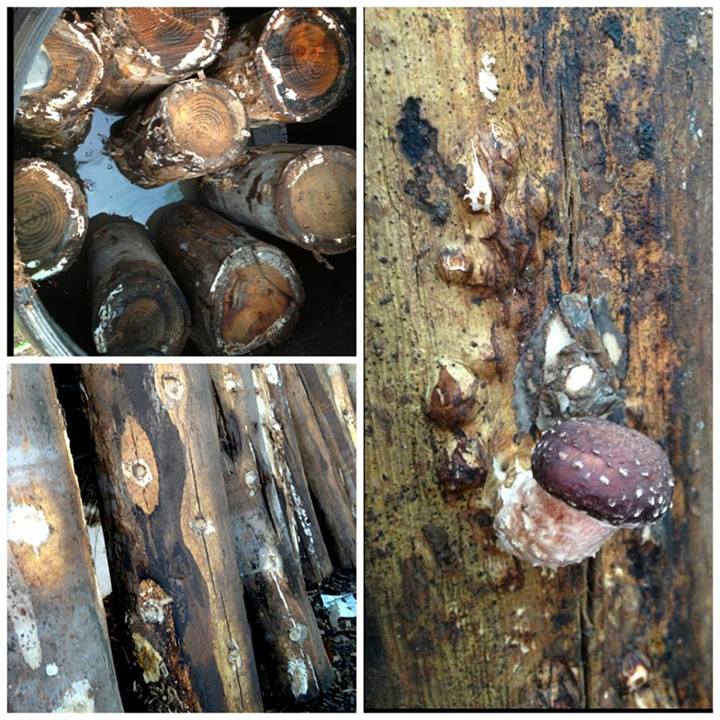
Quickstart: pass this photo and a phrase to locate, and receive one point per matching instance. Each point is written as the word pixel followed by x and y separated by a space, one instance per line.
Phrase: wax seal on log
pixel 301 193
pixel 55 108
pixel 290 65
pixel 147 49
pixel 589 477
pixel 191 129
pixel 137 308
pixel 50 215
pixel 244 293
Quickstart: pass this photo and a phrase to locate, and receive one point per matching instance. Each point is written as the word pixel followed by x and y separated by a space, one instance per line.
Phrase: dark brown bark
pixel 243 293
pixel 564 153
pixel 297 664
pixel 290 65
pixel 334 502
pixel 58 650
pixel 50 217
pixel 170 543
pixel 55 109
pixel 301 193
pixel 193 128
pixel 147 49
pixel 137 308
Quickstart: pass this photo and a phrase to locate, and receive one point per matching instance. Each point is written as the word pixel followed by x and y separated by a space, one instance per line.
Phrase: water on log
pixel 193 128
pixel 59 656
pixel 55 108
pixel 278 606
pixel 243 293
pixel 302 193
pixel 290 65
pixel 50 217
pixel 170 548
pixel 137 307
pixel 147 49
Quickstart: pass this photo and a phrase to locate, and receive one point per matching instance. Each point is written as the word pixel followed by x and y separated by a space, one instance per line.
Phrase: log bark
pixel 59 656
pixel 301 193
pixel 297 664
pixel 147 49
pixel 290 65
pixel 137 308
pixel 243 293
pixel 191 129
pixel 50 217
pixel 55 108
pixel 335 504
pixel 170 541
pixel 564 154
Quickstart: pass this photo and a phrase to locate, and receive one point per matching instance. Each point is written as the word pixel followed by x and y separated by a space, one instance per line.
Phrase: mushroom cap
pixel 611 472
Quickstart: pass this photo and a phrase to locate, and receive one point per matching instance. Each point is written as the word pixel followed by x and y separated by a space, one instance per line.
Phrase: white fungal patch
pixel 152 610
pixel 79 698
pixel 106 315
pixel 231 384
pixel 51 669
pixel 271 374
pixel 138 472
pixel 604 480
pixel 21 615
pixel 234 657
pixel 27 526
pixel 556 339
pixel 297 670
pixel 612 347
pixel 577 465
pixel 578 379
pixel 486 78
pixel 638 492
pixel 623 472
pixel 172 386
pixel 479 192
pixel 251 480
pixel 202 526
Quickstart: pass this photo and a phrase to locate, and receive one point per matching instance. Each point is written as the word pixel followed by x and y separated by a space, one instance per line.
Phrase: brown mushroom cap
pixel 611 472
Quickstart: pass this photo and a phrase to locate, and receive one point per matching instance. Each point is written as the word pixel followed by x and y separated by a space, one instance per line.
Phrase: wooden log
pixel 55 108
pixel 290 65
pixel 170 545
pixel 301 193
pixel 193 128
pixel 329 491
pixel 336 422
pixel 453 621
pixel 137 307
pixel 243 293
pixel 278 606
pixel 59 657
pixel 50 217
pixel 147 49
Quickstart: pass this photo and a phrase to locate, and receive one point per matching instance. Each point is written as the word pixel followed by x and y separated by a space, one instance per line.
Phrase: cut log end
pixel 50 214
pixel 137 307
pixel 305 58
pixel 319 201
pixel 55 107
pixel 193 128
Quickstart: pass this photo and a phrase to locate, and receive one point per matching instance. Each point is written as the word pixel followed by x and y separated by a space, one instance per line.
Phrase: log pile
pixel 210 605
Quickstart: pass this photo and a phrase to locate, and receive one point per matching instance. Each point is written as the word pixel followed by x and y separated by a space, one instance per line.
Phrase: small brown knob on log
pixel 137 308
pixel 243 292
pixel 50 215
pixel 147 49
pixel 301 193
pixel 193 128
pixel 55 108
pixel 291 65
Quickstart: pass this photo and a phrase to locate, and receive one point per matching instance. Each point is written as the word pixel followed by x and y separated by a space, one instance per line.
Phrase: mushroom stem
pixel 539 528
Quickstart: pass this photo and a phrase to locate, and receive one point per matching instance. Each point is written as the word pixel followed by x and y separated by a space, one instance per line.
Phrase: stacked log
pixel 59 655
pixel 147 49
pixel 171 552
pixel 137 308
pixel 301 193
pixel 244 293
pixel 55 108
pixel 193 128
pixel 50 217
pixel 290 65
pixel 264 518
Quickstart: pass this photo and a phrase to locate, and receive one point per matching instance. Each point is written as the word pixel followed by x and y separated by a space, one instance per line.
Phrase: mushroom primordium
pixel 589 477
